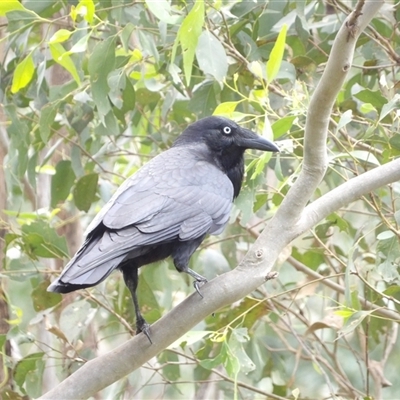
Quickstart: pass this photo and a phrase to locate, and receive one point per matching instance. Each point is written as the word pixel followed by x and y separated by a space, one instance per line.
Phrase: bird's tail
pixel 87 279
pixel 87 268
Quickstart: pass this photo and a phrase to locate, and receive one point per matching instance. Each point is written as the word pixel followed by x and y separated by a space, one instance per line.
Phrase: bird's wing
pixel 173 190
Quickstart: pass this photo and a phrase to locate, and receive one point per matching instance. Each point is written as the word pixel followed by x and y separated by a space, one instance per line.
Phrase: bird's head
pixel 225 142
pixel 224 136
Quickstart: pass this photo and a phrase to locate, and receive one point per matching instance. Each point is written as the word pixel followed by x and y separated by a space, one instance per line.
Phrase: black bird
pixel 165 209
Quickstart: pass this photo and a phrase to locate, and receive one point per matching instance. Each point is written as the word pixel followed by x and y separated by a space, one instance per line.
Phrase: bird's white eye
pixel 227 130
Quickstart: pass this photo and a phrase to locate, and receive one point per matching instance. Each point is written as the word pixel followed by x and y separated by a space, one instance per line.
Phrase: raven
pixel 165 209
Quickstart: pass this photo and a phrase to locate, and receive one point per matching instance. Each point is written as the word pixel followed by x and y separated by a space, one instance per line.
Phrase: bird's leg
pixel 198 279
pixel 130 273
pixel 181 256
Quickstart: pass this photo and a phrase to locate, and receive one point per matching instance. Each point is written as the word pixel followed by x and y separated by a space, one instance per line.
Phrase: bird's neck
pixel 233 166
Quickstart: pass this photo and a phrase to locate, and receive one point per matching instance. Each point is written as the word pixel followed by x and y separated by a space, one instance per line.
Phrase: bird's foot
pixel 143 327
pixel 198 283
pixel 199 280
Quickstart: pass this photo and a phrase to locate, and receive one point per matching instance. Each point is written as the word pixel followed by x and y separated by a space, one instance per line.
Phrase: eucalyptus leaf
pixel 62 182
pixel 85 191
pixel 211 56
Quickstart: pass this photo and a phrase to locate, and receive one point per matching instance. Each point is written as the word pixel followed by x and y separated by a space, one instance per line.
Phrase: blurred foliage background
pixel 91 90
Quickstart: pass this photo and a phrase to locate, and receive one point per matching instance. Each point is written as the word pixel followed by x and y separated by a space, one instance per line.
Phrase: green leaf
pixel 392 290
pixel 46 119
pixel 244 203
pixel 373 97
pixel 162 10
pixel 30 369
pixel 19 137
pixel 76 161
pixel 145 97
pixel 395 141
pixel 211 363
pixel 256 68
pixel 86 9
pixel 61 57
pixel 74 318
pixel 231 362
pixel 128 97
pixel 211 56
pixel 238 337
pixel 385 235
pixel 261 200
pixel 366 108
pixel 282 126
pixel 145 290
pixel 361 155
pixel 353 322
pixel 344 313
pixel 365 156
pixel 109 125
pixel 79 116
pixel 61 182
pixel 125 36
pixel 10 5
pixel 393 104
pixel 85 191
pixel 117 82
pixel 102 60
pixel 205 99
pixel 340 222
pixel 101 63
pixel 47 7
pixel 301 26
pixel 10 237
pixel 171 367
pixel 226 109
pixel 388 258
pixel 41 240
pixel 80 46
pixel 42 299
pixel 21 20
pixel 189 34
pixel 260 164
pixel 276 56
pixel 345 119
pixel 17 267
pixel 60 36
pixel 23 74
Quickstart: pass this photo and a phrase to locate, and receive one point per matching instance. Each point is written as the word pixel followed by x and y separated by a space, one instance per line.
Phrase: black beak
pixel 249 140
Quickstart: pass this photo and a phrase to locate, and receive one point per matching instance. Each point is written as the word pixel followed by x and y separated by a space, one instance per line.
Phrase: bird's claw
pixel 197 284
pixel 143 327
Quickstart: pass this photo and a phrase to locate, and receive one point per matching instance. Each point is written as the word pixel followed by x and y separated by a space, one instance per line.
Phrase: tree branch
pixel 349 192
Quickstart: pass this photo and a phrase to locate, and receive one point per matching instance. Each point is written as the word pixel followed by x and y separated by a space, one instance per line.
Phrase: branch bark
pixel 292 219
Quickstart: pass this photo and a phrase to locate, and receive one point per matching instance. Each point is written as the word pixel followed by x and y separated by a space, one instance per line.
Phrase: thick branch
pixel 348 192
pixel 320 109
